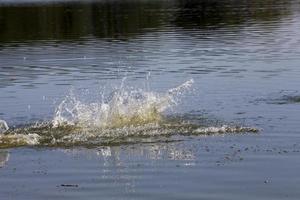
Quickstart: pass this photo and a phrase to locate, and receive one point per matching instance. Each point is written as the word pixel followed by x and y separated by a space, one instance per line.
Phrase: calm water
pixel 243 58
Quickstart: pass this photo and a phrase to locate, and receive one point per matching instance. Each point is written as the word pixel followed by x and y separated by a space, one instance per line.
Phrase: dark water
pixel 244 58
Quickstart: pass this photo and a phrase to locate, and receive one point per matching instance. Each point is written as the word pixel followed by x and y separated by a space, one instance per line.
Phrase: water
pixel 142 99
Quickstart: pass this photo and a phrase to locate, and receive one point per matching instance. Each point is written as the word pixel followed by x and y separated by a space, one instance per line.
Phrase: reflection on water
pixel 125 19
pixel 160 151
pixel 122 167
pixel 99 42
pixel 116 156
pixel 103 40
pixel 4 157
pixel 217 14
pixel 104 19
pixel 237 51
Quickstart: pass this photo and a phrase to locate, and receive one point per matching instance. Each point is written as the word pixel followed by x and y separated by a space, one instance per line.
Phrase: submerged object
pixel 3 126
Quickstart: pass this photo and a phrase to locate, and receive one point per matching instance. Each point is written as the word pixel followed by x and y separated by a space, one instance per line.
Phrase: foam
pixel 14 140
pixel 224 129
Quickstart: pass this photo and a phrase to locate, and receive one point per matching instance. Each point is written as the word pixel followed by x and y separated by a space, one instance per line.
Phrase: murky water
pixel 143 99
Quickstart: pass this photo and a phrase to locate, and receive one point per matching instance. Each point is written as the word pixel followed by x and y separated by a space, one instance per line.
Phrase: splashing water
pixel 123 116
pixel 124 108
pixel 3 126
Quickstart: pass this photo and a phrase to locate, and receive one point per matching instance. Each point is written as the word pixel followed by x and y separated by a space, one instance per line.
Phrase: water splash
pixel 126 115
pixel 3 126
pixel 124 107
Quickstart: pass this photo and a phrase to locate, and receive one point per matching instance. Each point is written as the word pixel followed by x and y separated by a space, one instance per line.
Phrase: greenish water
pixel 138 99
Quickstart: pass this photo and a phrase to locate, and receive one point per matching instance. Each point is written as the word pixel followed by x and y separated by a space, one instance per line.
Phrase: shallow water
pixel 86 90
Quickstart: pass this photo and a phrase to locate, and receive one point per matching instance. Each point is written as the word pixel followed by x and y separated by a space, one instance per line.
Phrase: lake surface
pixel 140 99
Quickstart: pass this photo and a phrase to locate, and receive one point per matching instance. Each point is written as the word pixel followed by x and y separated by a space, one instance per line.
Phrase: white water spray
pixel 3 126
pixel 124 108
pixel 122 116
